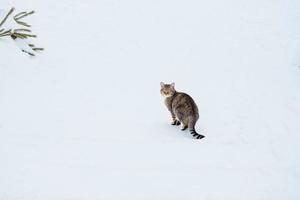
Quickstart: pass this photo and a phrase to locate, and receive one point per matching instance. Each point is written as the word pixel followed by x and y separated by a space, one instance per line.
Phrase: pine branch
pixel 21 33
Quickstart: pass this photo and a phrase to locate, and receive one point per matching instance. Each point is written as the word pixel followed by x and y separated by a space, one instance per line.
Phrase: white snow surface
pixel 84 120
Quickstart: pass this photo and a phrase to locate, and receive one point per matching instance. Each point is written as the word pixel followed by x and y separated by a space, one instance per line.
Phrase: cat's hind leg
pixel 184 127
pixel 179 118
pixel 175 121
pixel 184 124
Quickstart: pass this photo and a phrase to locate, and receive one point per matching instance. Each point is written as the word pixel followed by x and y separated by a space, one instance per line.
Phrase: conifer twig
pixel 21 33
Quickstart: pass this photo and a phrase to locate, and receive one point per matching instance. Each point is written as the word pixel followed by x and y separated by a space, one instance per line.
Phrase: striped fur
pixel 182 107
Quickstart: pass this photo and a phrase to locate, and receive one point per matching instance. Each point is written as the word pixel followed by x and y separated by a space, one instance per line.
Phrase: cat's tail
pixel 191 126
pixel 196 135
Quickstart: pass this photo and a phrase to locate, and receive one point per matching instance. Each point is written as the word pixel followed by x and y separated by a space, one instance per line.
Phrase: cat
pixel 182 107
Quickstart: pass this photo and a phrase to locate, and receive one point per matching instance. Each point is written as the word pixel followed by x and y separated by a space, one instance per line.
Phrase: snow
pixel 85 119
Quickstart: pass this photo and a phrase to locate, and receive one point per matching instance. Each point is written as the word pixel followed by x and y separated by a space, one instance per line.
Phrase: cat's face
pixel 167 90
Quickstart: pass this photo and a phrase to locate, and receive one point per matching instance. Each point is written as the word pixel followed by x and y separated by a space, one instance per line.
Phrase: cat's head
pixel 167 90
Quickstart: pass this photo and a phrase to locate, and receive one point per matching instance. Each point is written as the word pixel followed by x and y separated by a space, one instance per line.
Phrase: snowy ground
pixel 84 120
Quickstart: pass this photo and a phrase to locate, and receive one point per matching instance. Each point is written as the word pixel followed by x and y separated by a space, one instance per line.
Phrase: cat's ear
pixel 173 85
pixel 162 84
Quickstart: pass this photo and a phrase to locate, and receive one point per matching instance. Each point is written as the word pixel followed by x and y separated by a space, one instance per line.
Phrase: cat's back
pixel 184 102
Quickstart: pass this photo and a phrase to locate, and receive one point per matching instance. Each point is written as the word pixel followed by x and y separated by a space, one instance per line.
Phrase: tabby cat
pixel 182 107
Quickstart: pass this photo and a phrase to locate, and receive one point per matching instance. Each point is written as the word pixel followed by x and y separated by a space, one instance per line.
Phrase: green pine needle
pixel 38 49
pixel 7 15
pixel 22 29
pixel 21 15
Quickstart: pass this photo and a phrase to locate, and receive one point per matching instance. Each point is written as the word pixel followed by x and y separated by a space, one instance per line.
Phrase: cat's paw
pixel 183 128
pixel 175 123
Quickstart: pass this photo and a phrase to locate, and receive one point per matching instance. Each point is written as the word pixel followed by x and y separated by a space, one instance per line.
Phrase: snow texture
pixel 84 120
